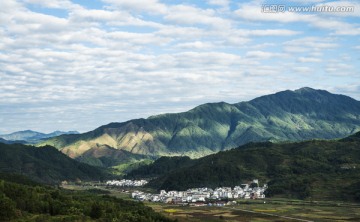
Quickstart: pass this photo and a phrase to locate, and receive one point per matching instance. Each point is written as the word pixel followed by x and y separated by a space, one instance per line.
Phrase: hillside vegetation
pixel 28 201
pixel 45 164
pixel 106 156
pixel 285 116
pixel 317 168
pixel 160 167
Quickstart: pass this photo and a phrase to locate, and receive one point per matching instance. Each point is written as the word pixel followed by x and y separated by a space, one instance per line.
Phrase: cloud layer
pixel 72 66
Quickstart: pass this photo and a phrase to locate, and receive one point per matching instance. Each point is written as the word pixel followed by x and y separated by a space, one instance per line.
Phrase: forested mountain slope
pixel 317 168
pixel 45 164
pixel 285 116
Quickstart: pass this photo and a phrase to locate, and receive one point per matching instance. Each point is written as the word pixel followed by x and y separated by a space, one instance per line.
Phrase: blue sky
pixel 76 65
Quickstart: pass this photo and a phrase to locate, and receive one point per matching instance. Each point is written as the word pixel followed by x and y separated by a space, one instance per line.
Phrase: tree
pixel 7 208
pixel 96 211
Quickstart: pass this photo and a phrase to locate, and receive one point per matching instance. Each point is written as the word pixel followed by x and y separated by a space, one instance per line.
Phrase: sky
pixel 79 64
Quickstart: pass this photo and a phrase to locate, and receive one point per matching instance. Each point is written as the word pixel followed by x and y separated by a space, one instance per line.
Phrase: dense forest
pixel 317 168
pixel 45 164
pixel 161 166
pixel 25 200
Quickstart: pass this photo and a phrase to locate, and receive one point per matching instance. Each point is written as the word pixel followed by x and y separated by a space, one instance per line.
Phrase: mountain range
pixel 29 136
pixel 11 141
pixel 296 115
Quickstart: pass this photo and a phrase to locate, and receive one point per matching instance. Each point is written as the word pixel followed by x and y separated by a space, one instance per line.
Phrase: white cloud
pixel 188 15
pixel 58 4
pixel 177 32
pixel 223 3
pixel 307 1
pixel 207 60
pixel 302 69
pixel 263 54
pixel 263 71
pixel 195 45
pixel 263 45
pixel 309 59
pixel 96 65
pixel 339 69
pixel 151 6
pixel 137 38
pixel 314 44
pixel 266 32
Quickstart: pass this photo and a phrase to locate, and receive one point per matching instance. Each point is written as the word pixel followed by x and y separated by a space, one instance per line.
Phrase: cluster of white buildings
pixel 195 195
pixel 126 183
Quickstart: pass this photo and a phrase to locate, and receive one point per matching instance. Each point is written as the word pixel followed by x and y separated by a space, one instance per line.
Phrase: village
pixel 205 196
pixel 126 183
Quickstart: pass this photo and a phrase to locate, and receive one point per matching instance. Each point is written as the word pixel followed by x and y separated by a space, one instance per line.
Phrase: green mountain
pixel 352 138
pixel 285 116
pixel 160 167
pixel 31 137
pixel 45 164
pixel 319 169
pixel 106 156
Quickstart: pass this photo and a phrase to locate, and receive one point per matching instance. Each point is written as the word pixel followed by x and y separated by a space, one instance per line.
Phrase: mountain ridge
pixel 283 116
pixel 30 136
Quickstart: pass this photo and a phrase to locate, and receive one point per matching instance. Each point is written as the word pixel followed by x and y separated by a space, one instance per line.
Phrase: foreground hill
pixel 317 168
pixel 45 164
pixel 31 137
pixel 285 116
pixel 23 200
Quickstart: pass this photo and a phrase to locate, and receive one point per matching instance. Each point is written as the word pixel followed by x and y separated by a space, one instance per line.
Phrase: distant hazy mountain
pixel 45 164
pixel 32 136
pixel 284 116
pixel 11 141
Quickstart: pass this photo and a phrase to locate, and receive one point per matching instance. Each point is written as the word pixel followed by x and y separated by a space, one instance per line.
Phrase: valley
pixel 269 209
pixel 304 144
pixel 272 210
pixel 179 111
pixel 318 169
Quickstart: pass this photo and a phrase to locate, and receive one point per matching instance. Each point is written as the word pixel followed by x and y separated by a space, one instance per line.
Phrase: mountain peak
pixel 26 131
pixel 305 89
pixel 302 114
pixel 308 90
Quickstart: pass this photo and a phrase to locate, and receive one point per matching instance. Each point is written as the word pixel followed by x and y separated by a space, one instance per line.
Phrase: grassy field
pixel 272 210
pixel 253 210
pixel 211 214
pixel 311 210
